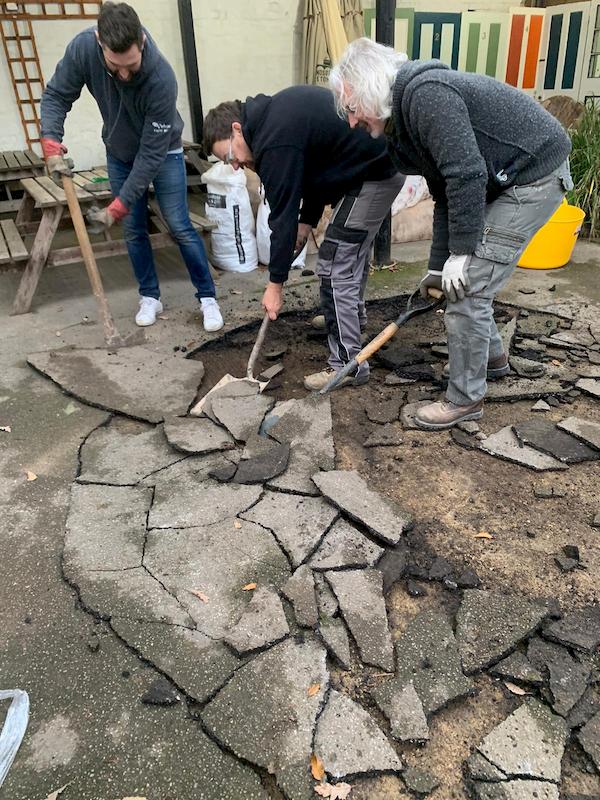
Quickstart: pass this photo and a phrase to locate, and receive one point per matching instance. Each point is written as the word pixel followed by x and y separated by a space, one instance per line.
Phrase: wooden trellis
pixel 20 49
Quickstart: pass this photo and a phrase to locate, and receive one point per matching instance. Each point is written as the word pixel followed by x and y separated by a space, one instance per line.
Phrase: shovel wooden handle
pixel 111 334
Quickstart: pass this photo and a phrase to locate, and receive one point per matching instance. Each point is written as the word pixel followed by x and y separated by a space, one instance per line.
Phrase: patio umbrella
pixel 324 39
pixel 352 19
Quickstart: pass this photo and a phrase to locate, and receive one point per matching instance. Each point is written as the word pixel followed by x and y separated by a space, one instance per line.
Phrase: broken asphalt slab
pixel 385 436
pixel 427 657
pixel 106 527
pixel 529 744
pixel 332 631
pixel 360 596
pixel 242 416
pixel 511 389
pixel 134 381
pixel 345 546
pixel 350 492
pixel 261 625
pixel 265 715
pixel 300 591
pixel 298 523
pixel 589 739
pixel 518 669
pixel 185 497
pixel 586 431
pixel 216 561
pixel 196 436
pixel 196 663
pixel 404 709
pixel 504 444
pixel 268 460
pixel 306 425
pixel 567 677
pixel 544 436
pixel 349 742
pixel 580 629
pixel 590 386
pixel 490 625
pixel 124 452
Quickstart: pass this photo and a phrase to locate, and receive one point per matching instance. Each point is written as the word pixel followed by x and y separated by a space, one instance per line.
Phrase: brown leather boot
pixel 444 414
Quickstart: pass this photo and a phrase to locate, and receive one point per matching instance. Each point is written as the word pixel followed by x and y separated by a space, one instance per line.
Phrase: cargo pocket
pixel 327 252
pixel 500 245
pixel 495 256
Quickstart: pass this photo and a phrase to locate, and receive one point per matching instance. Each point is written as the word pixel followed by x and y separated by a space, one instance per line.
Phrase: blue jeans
pixel 171 192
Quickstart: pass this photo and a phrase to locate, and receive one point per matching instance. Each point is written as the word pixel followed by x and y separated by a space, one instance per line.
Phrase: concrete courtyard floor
pixel 88 728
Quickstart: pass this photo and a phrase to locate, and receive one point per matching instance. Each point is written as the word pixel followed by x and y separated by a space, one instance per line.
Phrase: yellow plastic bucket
pixel 553 244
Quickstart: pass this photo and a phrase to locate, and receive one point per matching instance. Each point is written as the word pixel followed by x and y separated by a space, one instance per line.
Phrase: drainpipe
pixel 190 60
pixel 385 18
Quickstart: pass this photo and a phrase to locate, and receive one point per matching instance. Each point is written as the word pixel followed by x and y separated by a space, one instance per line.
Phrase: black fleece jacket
pixel 303 151
pixel 471 137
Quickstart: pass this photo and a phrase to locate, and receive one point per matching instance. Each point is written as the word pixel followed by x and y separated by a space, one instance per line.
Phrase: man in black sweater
pixel 307 158
pixel 497 167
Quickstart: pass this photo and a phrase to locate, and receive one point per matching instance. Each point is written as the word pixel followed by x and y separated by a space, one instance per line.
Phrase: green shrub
pixel 585 169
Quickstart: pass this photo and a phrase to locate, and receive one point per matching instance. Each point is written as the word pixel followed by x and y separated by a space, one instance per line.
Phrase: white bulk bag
pixel 233 243
pixel 263 234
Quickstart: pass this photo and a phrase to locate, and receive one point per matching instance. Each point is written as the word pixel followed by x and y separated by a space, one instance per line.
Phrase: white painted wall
pixel 243 48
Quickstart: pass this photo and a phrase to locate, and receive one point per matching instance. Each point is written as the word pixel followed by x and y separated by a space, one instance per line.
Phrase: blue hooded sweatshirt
pixel 141 122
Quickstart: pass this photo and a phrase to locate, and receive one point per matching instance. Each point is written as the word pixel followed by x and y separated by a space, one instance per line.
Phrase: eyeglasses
pixel 229 157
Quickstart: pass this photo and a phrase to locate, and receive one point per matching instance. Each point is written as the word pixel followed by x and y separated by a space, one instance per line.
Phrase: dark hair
pixel 218 122
pixel 119 27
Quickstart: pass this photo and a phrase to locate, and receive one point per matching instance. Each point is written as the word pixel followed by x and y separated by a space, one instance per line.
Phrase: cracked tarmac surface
pixel 195 576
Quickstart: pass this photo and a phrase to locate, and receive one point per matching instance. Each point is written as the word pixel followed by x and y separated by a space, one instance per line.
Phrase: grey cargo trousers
pixel 510 223
pixel 343 265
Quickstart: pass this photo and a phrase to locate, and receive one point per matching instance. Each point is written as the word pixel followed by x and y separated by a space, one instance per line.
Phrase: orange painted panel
pixel 533 51
pixel 515 44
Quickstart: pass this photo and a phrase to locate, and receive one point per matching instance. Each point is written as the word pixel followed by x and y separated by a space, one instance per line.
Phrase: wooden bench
pixel 15 165
pixel 42 193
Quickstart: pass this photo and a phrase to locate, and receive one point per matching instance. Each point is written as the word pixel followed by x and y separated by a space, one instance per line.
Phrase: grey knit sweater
pixel 471 137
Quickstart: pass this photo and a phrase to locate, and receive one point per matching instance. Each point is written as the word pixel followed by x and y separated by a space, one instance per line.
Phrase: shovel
pixel 385 335
pixel 249 380
pixel 111 334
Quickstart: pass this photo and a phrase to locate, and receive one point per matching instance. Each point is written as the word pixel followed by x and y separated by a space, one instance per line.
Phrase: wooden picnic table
pixel 15 165
pixel 42 193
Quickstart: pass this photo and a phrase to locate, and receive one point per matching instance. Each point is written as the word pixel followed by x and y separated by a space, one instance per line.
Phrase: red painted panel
pixel 532 52
pixel 514 49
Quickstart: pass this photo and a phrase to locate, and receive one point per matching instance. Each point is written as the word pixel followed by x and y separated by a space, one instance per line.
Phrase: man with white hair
pixel 497 167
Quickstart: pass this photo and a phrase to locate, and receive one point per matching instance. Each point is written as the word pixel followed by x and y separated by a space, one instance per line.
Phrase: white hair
pixel 364 77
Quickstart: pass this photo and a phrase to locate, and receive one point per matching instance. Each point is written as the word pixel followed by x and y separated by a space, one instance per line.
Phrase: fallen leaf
pixel 512 687
pixel 199 595
pixel 237 524
pixel 54 795
pixel 483 535
pixel 163 316
pixel 324 789
pixel 316 767
pixel 6 428
pixel 248 587
pixel 314 689
pixel 556 362
pixel 31 476
pixel 234 291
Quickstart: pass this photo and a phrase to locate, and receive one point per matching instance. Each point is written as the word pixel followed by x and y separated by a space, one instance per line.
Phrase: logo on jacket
pixel 161 127
pixel 502 176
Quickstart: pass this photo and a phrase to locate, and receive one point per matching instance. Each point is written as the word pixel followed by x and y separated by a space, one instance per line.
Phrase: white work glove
pixel 455 280
pixel 433 280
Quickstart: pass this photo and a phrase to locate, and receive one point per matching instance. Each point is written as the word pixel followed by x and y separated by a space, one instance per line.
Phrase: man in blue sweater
pixel 136 92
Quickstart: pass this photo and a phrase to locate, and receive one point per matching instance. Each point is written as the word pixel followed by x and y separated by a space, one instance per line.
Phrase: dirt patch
pixel 453 494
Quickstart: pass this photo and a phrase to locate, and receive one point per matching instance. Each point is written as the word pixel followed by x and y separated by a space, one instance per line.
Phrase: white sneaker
pixel 213 321
pixel 149 308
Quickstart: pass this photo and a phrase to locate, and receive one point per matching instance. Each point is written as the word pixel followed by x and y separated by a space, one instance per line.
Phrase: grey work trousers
pixel 510 223
pixel 343 265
